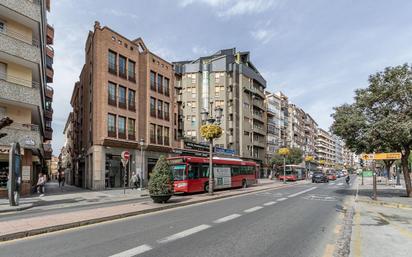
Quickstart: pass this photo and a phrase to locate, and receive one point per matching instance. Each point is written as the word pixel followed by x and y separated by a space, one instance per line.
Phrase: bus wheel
pixel 206 187
pixel 244 184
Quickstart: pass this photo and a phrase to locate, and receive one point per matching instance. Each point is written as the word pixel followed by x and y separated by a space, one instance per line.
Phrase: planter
pixel 160 198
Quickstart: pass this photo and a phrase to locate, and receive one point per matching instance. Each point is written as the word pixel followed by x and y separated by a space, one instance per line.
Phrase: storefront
pixel 116 175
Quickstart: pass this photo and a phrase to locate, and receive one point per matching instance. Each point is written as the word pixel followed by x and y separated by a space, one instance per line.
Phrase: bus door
pixel 223 178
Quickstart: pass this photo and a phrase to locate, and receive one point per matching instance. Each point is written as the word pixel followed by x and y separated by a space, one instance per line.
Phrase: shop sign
pixel 26 173
pixel 29 141
pixel 196 146
pixel 225 151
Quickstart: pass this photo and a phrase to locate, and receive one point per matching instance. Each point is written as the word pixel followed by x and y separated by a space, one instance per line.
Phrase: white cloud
pixel 262 35
pixel 200 50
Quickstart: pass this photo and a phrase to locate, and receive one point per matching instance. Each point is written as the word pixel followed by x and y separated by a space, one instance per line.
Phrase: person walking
pixel 61 179
pixel 135 181
pixel 347 179
pixel 41 181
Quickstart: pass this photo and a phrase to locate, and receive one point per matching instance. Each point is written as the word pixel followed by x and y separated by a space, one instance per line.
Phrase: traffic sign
pixel 388 156
pixel 125 155
pixel 367 156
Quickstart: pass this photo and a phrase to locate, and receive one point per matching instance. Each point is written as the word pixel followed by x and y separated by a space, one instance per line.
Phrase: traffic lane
pixel 294 227
pixel 118 235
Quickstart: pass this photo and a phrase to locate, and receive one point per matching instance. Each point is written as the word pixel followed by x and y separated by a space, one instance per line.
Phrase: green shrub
pixel 161 181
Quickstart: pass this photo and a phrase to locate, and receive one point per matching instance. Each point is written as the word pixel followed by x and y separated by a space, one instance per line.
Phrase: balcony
pixel 179 98
pixel 48 133
pixel 49 35
pixel 258 103
pixel 49 74
pixel 30 9
pixel 258 116
pixel 28 135
pixel 259 130
pixel 49 51
pixel 16 44
pixel 231 124
pixel 48 113
pixel 49 92
pixel 19 90
pixel 47 151
pixel 259 143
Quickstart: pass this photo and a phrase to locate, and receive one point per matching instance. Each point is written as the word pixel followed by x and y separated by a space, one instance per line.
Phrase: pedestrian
pixel 41 181
pixel 61 179
pixel 347 179
pixel 134 180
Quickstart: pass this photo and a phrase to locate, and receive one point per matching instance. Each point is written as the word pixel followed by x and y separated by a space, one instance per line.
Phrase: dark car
pixel 319 177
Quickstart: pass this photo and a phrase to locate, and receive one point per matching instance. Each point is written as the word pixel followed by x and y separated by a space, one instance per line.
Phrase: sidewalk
pixel 44 223
pixel 384 227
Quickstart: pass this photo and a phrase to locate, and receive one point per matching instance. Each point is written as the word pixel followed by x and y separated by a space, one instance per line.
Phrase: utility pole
pixel 375 194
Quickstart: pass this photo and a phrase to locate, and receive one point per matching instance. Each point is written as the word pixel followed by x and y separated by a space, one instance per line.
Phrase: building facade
pixel 325 147
pixel 227 80
pixel 26 59
pixel 274 124
pixel 124 101
pixel 66 156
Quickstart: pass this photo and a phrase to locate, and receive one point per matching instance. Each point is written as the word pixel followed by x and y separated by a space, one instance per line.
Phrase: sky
pixel 317 52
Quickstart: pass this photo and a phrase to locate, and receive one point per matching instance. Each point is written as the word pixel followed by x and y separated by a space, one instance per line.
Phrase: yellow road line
pixel 357 243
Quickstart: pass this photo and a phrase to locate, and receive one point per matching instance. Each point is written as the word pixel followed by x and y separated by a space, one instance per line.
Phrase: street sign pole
pixel 375 193
pixel 125 159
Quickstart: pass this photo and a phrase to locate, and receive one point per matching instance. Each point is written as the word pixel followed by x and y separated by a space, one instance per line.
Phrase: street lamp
pixel 284 151
pixel 141 143
pixel 211 130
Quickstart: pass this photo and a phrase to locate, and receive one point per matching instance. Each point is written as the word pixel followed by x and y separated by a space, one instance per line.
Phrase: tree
pixel 380 119
pixel 295 156
pixel 161 182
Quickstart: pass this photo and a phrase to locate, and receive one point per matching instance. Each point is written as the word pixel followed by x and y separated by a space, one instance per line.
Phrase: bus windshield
pixel 179 172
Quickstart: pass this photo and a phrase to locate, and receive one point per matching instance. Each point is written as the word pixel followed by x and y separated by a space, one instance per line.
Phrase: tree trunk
pixel 405 170
pixel 388 165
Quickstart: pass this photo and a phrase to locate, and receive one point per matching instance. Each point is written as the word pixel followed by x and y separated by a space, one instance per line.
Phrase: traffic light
pixel 361 163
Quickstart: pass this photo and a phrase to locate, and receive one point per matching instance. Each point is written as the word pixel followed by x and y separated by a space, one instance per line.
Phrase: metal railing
pixel 18 81
pixel 17 35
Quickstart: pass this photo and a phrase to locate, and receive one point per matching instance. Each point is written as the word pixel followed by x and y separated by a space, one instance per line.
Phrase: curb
pixel 18 208
pixel 386 204
pixel 44 230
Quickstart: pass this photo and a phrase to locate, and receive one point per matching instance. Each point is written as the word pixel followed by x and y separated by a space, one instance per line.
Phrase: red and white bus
pixel 191 174
pixel 293 173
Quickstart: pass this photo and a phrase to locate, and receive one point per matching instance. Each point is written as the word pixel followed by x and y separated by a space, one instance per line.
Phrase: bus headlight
pixel 182 184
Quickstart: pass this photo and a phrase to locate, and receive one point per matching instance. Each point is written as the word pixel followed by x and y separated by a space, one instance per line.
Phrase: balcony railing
pixel 50 34
pixel 17 35
pixel 49 92
pixel 19 81
pixel 50 51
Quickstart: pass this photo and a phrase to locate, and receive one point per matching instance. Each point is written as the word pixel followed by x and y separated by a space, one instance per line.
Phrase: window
pixel 193 92
pixel 111 125
pixel 159 133
pixel 131 129
pixel 166 138
pixel 2 26
pixel 122 66
pixel 131 100
pixel 122 127
pixel 122 97
pixel 131 71
pixel 112 94
pixel 3 71
pixel 159 83
pixel 48 105
pixel 167 89
pixel 166 111
pixel 159 109
pixel 218 90
pixel 218 76
pixel 175 134
pixel 152 133
pixel 219 103
pixel 152 81
pixel 152 107
pixel 112 62
pixel 246 106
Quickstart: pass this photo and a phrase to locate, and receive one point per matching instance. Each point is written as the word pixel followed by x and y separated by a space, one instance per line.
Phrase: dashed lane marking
pixel 253 209
pixel 184 233
pixel 302 192
pixel 281 199
pixel 227 218
pixel 134 251
pixel 269 203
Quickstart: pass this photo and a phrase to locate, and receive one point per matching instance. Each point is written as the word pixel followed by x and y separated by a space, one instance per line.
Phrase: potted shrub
pixel 161 182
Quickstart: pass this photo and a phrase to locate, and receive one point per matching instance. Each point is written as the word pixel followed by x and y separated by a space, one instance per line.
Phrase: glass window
pixel 152 81
pixel 179 172
pixel 159 134
pixel 131 100
pixel 194 171
pixel 131 127
pixel 2 26
pixel 159 109
pixel 122 125
pixel 112 93
pixel 166 111
pixel 166 134
pixel 111 123
pixel 122 66
pixel 152 107
pixel 152 133
pixel 122 95
pixel 159 83
pixel 166 86
pixel 112 62
pixel 131 70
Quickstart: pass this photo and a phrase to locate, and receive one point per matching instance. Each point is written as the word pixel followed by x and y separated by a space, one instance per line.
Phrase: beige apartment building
pixel 227 80
pixel 325 147
pixel 275 120
pixel 124 98
pixel 26 59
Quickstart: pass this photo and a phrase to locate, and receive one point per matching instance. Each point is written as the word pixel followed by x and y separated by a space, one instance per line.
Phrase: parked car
pixel 319 177
pixel 331 176
pixel 340 174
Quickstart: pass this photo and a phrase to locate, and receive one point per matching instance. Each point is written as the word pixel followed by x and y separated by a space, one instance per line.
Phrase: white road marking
pixel 184 233
pixel 340 184
pixel 269 203
pixel 134 251
pixel 302 192
pixel 281 199
pixel 253 209
pixel 227 218
pixel 333 183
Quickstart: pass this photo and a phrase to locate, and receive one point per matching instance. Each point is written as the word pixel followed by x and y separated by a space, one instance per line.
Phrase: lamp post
pixel 141 143
pixel 284 152
pixel 207 118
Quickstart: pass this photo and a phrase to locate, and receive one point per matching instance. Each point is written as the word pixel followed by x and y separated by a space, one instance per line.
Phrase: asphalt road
pixel 295 221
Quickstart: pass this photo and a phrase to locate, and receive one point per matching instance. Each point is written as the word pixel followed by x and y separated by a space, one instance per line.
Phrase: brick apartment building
pixel 124 95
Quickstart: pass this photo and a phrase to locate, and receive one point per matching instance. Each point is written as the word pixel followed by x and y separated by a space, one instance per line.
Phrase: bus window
pixel 235 170
pixel 179 172
pixel 194 170
pixel 204 171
